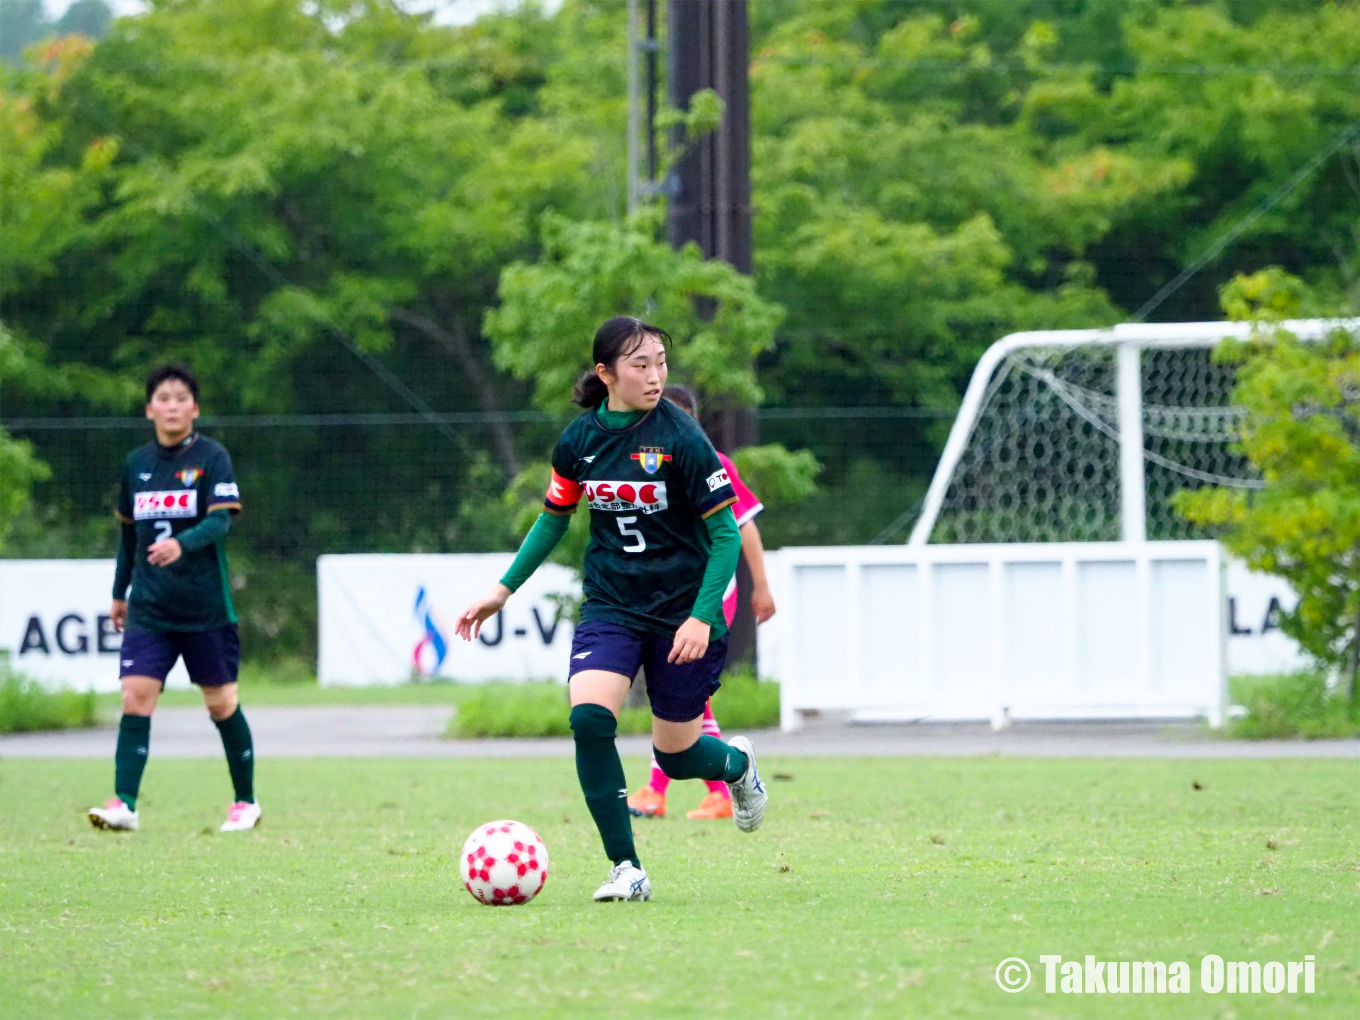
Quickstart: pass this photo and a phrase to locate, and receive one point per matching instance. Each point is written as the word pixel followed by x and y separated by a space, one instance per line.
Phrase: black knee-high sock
pixel 134 743
pixel 240 751
pixel 707 758
pixel 601 774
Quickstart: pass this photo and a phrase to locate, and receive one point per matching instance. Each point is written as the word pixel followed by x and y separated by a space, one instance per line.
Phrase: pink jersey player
pixel 650 801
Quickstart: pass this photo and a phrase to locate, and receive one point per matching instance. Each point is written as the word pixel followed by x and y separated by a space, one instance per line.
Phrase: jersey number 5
pixel 163 530
pixel 633 533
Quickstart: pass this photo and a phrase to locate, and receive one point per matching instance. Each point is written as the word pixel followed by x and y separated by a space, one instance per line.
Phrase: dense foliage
pixel 1301 431
pixel 337 207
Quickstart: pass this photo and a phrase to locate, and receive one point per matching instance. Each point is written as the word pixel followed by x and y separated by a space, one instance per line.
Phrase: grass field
pixel 876 888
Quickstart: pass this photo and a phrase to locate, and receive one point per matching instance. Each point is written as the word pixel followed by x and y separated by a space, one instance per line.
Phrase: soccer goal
pixel 1048 575
pixel 1086 435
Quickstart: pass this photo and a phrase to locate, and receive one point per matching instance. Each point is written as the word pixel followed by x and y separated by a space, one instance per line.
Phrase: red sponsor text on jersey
pixel 152 505
pixel 649 497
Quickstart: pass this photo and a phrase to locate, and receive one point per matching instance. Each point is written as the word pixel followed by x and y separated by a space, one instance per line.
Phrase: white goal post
pixel 1085 435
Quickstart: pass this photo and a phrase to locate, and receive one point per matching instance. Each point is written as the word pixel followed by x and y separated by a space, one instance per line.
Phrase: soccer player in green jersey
pixel 177 496
pixel 663 547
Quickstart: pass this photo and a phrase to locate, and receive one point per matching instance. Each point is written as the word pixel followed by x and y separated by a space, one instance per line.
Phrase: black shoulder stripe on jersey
pixel 709 513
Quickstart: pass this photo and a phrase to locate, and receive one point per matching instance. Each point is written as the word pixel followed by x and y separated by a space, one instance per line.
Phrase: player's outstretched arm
pixel 541 540
pixel 470 623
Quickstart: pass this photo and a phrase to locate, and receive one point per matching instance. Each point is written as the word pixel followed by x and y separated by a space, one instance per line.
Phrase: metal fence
pixel 331 483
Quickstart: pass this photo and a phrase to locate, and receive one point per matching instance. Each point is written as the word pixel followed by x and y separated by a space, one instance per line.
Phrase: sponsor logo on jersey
pixel 649 497
pixel 651 458
pixel 189 475
pixel 150 506
pixel 718 479
pixel 226 489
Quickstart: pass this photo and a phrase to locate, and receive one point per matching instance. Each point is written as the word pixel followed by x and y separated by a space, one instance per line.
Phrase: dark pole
pixel 651 92
pixel 711 197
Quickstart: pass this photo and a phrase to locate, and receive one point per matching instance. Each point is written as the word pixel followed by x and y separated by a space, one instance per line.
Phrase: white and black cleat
pixel 114 815
pixel 748 792
pixel 626 883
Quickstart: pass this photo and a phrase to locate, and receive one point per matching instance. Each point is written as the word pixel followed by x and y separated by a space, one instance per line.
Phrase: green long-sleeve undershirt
pixel 200 536
pixel 724 551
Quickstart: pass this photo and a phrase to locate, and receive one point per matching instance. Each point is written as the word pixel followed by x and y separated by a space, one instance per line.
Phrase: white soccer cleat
pixel 114 815
pixel 242 815
pixel 748 792
pixel 625 884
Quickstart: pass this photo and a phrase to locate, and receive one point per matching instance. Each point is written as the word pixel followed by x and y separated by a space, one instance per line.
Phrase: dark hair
pixel 172 371
pixel 682 397
pixel 617 338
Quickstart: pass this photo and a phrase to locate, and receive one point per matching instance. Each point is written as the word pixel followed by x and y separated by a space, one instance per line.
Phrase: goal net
pixel 1083 436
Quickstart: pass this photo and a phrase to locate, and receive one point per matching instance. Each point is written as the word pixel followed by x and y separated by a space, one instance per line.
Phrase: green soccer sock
pixel 129 760
pixel 601 774
pixel 707 758
pixel 240 751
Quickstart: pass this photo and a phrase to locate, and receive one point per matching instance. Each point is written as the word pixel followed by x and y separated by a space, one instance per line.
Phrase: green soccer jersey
pixel 648 487
pixel 165 491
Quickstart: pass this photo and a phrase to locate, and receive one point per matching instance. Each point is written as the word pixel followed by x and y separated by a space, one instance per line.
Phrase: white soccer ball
pixel 504 864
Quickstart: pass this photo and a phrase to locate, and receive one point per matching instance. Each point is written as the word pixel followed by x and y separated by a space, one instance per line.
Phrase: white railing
pixel 999 632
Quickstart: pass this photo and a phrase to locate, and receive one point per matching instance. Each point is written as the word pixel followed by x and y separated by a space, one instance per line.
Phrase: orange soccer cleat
pixel 714 806
pixel 647 803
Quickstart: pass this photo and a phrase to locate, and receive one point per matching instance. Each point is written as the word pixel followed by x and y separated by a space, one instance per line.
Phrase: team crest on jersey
pixel 651 458
pixel 189 475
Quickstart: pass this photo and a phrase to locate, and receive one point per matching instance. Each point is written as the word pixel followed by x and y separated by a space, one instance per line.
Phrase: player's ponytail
pixel 616 338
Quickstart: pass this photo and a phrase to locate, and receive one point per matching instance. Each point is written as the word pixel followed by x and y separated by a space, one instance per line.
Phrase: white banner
pixel 54 623
pixel 1256 645
pixel 384 618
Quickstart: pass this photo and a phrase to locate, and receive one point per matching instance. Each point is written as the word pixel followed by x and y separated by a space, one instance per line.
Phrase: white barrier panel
pixel 998 632
pixel 386 617
pixel 1256 645
pixel 54 623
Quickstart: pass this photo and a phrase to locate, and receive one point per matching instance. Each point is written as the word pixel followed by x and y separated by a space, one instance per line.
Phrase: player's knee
pixel 221 701
pixel 593 722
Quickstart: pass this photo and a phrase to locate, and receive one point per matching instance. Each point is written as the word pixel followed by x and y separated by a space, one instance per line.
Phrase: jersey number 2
pixel 163 530
pixel 627 532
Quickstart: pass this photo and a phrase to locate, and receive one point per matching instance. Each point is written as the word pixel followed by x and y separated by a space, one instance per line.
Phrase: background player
pixel 176 500
pixel 663 545
pixel 650 801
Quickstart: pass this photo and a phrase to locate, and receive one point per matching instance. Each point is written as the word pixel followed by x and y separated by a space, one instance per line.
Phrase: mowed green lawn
pixel 876 888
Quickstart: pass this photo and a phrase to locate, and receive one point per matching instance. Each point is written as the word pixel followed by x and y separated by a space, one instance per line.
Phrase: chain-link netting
pixel 1042 461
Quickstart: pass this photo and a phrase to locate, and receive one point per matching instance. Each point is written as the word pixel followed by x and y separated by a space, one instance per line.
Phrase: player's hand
pixel 762 603
pixel 470 623
pixel 118 614
pixel 164 552
pixel 691 642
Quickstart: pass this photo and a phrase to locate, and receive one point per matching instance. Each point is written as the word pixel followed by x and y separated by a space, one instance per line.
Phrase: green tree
pixel 588 272
pixel 20 467
pixel 1301 431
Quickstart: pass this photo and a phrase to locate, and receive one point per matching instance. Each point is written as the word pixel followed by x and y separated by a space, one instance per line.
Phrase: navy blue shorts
pixel 211 656
pixel 677 692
